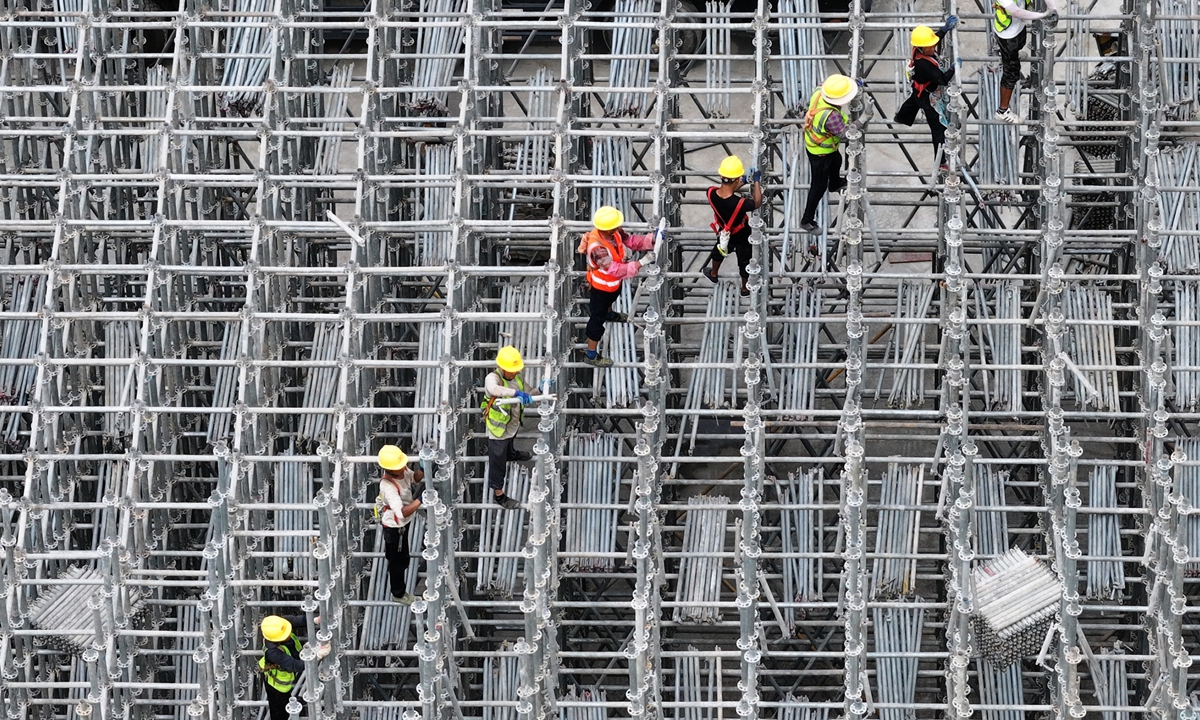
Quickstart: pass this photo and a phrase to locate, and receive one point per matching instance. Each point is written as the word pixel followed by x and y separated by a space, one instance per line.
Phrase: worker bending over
pixel 607 266
pixel 280 663
pixel 928 79
pixel 731 219
pixel 397 503
pixel 503 420
pixel 1009 23
pixel 825 126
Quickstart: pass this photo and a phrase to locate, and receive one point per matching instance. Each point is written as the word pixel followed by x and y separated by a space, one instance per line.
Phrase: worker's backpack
pixel 725 228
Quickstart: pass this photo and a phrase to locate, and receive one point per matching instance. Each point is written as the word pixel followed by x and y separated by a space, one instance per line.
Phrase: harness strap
pixel 718 224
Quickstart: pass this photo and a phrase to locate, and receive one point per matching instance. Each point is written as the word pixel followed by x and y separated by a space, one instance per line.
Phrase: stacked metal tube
pixel 799 532
pixel 701 565
pixel 1105 569
pixel 591 530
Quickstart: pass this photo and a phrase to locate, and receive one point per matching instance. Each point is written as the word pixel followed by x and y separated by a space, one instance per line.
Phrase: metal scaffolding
pixel 249 242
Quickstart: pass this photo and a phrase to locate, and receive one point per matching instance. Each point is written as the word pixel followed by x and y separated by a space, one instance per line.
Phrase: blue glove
pixel 755 175
pixel 524 397
pixel 860 82
pixel 951 23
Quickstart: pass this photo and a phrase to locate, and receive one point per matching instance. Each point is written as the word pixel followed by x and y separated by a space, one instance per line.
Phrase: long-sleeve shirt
pixel 495 388
pixel 278 657
pixel 1021 16
pixel 835 125
pixel 928 75
pixel 395 497
pixel 601 258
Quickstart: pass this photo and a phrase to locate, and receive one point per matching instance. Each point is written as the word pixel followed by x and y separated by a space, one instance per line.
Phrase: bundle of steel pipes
pixel 1106 569
pixel 247 42
pixel 386 624
pixel 800 340
pixel 1113 686
pixel 1185 366
pixel 584 704
pixel 1180 51
pixel 718 44
pixel 120 342
pixel 434 247
pixel 621 383
pixel 632 47
pixel 897 531
pixel 713 379
pixel 701 565
pixel 534 153
pixel 1000 343
pixel 500 684
pixel 528 336
pixel 1092 355
pixel 1016 599
pixel 801 53
pixel 1187 488
pixel 795 174
pixel 436 53
pixel 74 613
pixel 19 341
pixel 593 494
pixel 320 383
pixel 1179 208
pixel 906 345
pixel 293 532
pixel 224 380
pixel 327 157
pixel 698 689
pixel 793 708
pixel 999 143
pixel 803 572
pixel 897 632
pixel 502 534
pixel 990 516
pixel 428 395
pixel 1001 690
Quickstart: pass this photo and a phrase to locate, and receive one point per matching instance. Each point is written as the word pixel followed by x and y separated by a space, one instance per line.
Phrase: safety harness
pixel 726 228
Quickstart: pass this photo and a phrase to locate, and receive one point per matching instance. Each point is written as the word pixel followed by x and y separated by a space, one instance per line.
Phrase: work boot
pixel 521 456
pixel 708 273
pixel 506 502
pixel 745 291
pixel 599 361
pixel 617 317
pixel 810 227
pixel 405 599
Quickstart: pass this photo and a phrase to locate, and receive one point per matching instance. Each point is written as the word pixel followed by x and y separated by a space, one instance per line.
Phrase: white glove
pixel 322 650
pixel 647 259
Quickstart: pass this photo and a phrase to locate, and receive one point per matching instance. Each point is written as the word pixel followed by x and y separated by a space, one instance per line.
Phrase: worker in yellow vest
pixel 607 265
pixel 1008 22
pixel 280 663
pixel 397 503
pixel 825 125
pixel 503 420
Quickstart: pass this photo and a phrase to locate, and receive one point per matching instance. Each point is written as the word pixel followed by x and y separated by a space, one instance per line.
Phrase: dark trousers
pixel 1010 59
pixel 277 703
pixel 499 453
pixel 921 101
pixel 826 177
pixel 395 549
pixel 739 244
pixel 600 304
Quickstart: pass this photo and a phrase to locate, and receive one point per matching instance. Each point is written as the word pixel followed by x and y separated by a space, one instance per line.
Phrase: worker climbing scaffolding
pixel 1009 23
pixel 825 126
pixel 503 420
pixel 925 72
pixel 731 217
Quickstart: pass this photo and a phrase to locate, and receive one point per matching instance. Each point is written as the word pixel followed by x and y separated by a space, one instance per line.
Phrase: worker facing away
pixel 280 663
pixel 731 219
pixel 825 126
pixel 927 77
pixel 1008 22
pixel 397 502
pixel 607 248
pixel 503 420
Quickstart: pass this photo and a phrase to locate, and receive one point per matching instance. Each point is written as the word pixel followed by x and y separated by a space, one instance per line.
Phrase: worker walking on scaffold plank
pixel 927 77
pixel 731 219
pixel 606 248
pixel 503 420
pixel 825 126
pixel 1008 22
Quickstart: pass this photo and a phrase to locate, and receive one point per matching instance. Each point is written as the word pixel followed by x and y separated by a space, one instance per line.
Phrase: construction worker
pixel 503 420
pixel 607 267
pixel 398 500
pixel 925 73
pixel 280 663
pixel 825 126
pixel 731 217
pixel 1008 23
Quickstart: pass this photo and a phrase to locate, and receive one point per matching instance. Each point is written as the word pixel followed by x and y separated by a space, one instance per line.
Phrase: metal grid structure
pixel 199 361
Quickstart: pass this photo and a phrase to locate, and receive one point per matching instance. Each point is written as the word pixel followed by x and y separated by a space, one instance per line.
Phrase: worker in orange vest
pixel 607 265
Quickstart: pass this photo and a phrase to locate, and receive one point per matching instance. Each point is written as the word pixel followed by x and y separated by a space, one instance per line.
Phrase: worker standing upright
pixel 605 247
pixel 731 217
pixel 927 77
pixel 395 506
pixel 1008 23
pixel 825 126
pixel 280 663
pixel 503 420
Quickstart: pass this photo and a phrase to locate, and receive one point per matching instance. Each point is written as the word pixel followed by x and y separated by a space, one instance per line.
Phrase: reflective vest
pixel 495 415
pixel 1003 19
pixel 278 678
pixel 596 277
pixel 816 140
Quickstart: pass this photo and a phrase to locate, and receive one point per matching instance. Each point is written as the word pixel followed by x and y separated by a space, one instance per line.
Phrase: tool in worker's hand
pixel 534 398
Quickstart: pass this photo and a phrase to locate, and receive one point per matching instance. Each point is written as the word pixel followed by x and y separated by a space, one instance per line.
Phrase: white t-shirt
pixel 394 500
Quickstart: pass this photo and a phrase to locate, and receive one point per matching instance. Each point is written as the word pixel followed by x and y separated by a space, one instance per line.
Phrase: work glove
pixel 858 125
pixel 662 234
pixel 860 83
pixel 524 397
pixel 418 490
pixel 951 23
pixel 323 650
pixel 754 176
pixel 647 259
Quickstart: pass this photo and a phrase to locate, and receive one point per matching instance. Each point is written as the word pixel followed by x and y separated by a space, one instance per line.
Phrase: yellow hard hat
pixel 392 458
pixel 923 36
pixel 839 90
pixel 731 167
pixel 608 218
pixel 509 359
pixel 275 628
